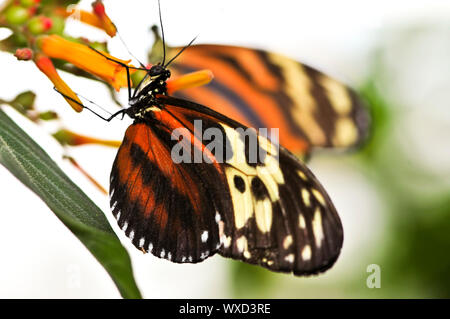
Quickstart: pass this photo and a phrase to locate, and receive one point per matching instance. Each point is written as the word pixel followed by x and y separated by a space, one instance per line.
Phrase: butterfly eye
pixel 156 70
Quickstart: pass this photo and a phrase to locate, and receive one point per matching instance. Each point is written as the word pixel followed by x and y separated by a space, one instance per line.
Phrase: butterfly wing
pixel 263 89
pixel 271 213
pixel 163 207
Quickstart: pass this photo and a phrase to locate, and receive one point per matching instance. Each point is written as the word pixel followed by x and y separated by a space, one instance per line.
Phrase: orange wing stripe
pixel 270 114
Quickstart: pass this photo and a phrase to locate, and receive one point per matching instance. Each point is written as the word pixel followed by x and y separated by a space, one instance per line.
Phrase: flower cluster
pixel 38 35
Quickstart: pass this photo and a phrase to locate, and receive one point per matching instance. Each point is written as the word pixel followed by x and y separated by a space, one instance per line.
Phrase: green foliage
pixel 33 167
pixel 414 259
pixel 249 281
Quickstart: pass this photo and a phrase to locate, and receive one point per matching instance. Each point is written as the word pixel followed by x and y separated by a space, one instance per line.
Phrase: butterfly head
pixel 159 72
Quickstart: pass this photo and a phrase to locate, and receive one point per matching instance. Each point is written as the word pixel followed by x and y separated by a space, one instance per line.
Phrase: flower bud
pixel 17 15
pixel 24 54
pixel 39 25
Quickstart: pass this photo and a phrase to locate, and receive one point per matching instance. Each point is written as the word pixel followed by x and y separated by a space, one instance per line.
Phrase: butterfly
pixel 247 198
pixel 264 89
pixel 270 211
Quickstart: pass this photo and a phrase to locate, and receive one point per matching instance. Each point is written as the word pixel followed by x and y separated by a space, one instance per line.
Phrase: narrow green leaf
pixel 32 166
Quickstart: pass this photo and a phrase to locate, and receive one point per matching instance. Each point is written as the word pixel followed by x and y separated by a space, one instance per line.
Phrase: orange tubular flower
pixel 46 66
pixel 93 19
pixel 189 80
pixel 107 25
pixel 82 15
pixel 86 58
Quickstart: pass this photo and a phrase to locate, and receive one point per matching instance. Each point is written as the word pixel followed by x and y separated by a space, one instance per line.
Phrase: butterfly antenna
pixel 93 103
pixel 129 52
pixel 181 51
pixel 162 33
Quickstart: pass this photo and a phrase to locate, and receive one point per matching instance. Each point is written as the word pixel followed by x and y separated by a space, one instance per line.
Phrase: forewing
pixel 164 208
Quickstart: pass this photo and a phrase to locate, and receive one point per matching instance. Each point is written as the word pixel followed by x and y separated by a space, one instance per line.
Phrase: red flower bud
pixel 24 54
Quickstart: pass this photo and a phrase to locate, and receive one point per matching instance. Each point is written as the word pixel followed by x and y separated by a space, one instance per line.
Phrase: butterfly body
pixel 143 98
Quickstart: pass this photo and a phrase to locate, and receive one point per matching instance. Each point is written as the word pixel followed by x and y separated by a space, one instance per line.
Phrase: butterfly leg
pixel 107 119
pixel 127 68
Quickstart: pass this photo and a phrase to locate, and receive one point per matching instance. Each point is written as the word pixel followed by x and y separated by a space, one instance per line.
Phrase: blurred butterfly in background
pixel 264 89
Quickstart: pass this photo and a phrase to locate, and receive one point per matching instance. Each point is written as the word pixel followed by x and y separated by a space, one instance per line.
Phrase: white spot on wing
pixel 301 221
pixel 263 214
pixel 163 253
pixel 317 227
pixel 125 226
pixel 306 252
pixel 204 255
pixel 306 197
pixel 226 241
pixel 242 202
pixel 302 175
pixel 204 236
pixel 287 241
pixel 318 196
pixel 131 235
pixel 221 228
pixel 346 133
pixel 289 258
pixel 241 244
pixel 141 242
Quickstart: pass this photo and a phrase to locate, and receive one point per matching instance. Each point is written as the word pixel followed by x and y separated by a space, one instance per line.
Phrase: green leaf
pixel 32 166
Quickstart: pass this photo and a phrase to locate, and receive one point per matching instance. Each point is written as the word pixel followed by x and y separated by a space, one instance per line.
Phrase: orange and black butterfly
pixel 271 211
pixel 264 89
